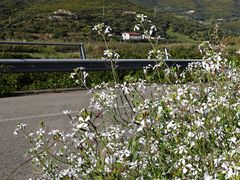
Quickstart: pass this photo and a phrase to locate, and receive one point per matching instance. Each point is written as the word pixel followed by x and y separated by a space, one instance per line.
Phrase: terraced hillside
pixel 36 18
pixel 224 12
pixel 204 9
pixel 72 20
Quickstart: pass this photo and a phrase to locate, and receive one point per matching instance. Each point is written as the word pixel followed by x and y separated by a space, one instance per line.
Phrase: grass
pixel 232 26
pixel 94 50
pixel 127 50
pixel 181 37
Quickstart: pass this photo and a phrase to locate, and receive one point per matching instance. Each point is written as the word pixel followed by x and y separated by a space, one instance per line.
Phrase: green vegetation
pixel 185 127
pixel 204 9
pixel 225 12
pixel 35 20
pixel 29 81
pixel 32 81
pixel 180 37
pixel 232 26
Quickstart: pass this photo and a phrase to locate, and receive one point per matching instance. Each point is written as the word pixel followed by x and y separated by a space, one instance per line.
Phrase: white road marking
pixel 44 115
pixel 37 116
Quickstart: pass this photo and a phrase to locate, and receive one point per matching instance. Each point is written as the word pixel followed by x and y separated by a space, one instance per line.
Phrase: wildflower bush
pixel 185 127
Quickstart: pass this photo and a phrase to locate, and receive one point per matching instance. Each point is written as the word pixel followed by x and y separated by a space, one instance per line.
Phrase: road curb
pixel 41 91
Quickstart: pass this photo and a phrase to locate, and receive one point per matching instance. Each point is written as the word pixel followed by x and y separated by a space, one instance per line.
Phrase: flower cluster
pixel 213 60
pixel 189 129
pixel 149 29
pixel 110 54
pixel 80 76
pixel 103 29
pixel 20 127
pixel 156 54
pixel 146 25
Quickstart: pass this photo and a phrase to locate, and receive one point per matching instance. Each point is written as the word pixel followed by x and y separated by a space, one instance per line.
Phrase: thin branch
pixel 27 161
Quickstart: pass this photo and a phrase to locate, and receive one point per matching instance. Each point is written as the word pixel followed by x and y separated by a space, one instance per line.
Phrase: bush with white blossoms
pixel 186 127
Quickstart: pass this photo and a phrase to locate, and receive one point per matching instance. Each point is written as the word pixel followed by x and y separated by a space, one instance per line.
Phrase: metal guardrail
pixel 67 65
pixel 80 45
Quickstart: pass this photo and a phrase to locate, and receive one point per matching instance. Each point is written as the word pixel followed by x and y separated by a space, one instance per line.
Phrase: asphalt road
pixel 32 110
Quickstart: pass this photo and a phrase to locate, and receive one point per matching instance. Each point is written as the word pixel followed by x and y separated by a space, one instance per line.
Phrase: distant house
pixel 62 14
pixel 131 36
pixel 129 13
pixel 190 12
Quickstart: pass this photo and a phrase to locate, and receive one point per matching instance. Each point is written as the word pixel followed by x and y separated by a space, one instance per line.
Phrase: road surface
pixel 32 110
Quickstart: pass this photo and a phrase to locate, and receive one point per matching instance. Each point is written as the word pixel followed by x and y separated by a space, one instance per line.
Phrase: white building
pixel 131 36
pixel 62 14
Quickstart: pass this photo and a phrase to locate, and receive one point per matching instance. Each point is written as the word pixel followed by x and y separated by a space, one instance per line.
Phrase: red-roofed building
pixel 131 36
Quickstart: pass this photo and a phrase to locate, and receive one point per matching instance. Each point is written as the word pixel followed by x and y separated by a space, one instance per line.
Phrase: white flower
pixel 81 119
pixel 233 140
pixel 99 28
pixel 109 160
pixel 54 132
pixel 218 118
pixel 80 161
pixel 136 27
pixel 107 30
pixel 67 112
pixel 85 75
pixel 103 29
pixel 77 81
pixel 190 134
pixel 20 127
pixel 207 176
pixel 153 27
pixel 126 153
pixel 155 54
pixel 230 173
pixel 40 132
pixel 142 126
pixel 110 54
pixel 73 75
pixel 141 18
pixel 185 170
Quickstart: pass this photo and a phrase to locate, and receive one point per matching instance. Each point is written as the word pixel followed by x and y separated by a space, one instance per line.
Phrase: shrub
pixel 186 127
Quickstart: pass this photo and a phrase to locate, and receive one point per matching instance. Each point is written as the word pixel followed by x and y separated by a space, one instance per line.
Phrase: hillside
pixel 72 20
pixel 199 9
pixel 224 12
pixel 34 18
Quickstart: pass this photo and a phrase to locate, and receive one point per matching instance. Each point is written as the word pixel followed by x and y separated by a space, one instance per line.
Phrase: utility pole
pixel 103 11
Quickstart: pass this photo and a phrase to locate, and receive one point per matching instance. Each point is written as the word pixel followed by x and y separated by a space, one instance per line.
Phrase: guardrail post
pixel 166 52
pixel 82 51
